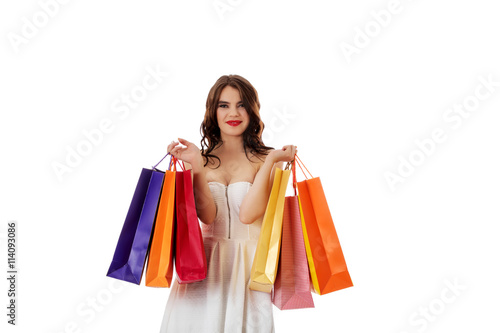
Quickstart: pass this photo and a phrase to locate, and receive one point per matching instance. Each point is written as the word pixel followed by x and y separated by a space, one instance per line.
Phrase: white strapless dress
pixel 223 302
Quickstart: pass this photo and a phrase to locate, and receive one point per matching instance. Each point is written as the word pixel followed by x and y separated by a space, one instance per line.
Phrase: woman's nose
pixel 233 110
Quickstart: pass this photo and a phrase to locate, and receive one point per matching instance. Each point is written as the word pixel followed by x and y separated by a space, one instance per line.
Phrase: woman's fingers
pixel 184 142
pixel 178 150
pixel 175 149
pixel 185 151
pixel 290 149
pixel 175 144
pixel 287 153
pixel 171 146
pixel 292 152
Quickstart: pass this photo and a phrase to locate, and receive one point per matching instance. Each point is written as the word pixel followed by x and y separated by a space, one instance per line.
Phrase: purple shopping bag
pixel 130 254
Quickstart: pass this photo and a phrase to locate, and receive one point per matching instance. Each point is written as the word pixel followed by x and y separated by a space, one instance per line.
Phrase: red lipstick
pixel 234 122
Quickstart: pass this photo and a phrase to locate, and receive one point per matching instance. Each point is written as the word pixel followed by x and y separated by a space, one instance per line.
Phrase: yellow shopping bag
pixel 265 263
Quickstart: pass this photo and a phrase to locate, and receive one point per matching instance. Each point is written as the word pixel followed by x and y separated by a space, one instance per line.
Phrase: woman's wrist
pixel 198 166
pixel 271 157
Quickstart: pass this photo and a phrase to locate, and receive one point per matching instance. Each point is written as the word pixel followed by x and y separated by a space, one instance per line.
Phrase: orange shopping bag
pixel 324 253
pixel 160 261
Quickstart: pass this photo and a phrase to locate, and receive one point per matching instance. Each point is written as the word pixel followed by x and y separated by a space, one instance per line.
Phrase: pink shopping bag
pixel 292 288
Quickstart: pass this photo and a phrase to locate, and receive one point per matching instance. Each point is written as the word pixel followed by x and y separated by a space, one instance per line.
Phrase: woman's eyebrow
pixel 229 103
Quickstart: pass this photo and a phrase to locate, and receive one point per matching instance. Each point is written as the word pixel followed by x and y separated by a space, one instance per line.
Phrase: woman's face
pixel 232 117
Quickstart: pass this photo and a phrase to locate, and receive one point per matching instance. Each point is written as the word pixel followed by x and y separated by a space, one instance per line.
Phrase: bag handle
pixel 180 163
pixel 301 164
pixel 294 175
pixel 172 163
pixel 297 161
pixel 162 160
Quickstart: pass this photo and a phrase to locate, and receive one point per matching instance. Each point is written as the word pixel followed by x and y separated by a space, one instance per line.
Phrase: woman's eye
pixel 226 106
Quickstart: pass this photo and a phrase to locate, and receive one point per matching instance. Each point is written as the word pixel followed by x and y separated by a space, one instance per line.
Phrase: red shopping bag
pixel 190 259
pixel 326 260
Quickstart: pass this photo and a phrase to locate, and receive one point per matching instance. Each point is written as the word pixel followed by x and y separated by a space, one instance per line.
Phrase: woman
pixel 232 180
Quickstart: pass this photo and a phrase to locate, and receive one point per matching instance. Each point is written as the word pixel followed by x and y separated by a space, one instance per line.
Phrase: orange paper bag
pixel 160 261
pixel 326 259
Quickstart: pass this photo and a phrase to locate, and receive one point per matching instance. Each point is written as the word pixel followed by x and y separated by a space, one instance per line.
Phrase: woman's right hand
pixel 190 154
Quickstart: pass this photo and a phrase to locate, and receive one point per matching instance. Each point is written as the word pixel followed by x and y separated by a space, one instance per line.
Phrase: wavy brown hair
pixel 210 131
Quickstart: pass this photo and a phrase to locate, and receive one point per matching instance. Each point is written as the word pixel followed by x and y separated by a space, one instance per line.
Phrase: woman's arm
pixel 205 204
pixel 254 204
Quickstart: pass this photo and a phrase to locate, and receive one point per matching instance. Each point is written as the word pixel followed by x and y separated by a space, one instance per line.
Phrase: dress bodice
pixel 227 224
pixel 223 301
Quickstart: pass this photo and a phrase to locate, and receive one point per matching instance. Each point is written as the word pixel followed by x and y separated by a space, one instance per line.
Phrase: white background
pixel 352 118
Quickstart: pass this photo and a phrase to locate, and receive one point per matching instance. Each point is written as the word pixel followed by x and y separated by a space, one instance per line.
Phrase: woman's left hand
pixel 286 154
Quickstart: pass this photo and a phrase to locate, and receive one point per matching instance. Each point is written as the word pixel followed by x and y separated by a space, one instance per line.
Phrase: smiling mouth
pixel 234 122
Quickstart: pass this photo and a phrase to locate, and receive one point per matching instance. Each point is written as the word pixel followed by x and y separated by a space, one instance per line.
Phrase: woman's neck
pixel 232 144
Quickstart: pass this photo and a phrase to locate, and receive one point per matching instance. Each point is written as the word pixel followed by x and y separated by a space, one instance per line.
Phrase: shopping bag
pixel 190 259
pixel 265 263
pixel 292 288
pixel 160 264
pixel 133 244
pixel 325 257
